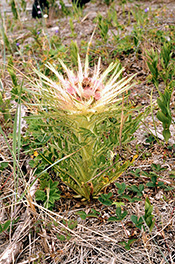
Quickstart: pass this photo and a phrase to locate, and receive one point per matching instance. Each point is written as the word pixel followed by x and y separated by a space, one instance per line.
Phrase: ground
pixel 38 235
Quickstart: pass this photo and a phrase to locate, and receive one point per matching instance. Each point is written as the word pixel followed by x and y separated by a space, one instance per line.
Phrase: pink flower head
pixel 85 92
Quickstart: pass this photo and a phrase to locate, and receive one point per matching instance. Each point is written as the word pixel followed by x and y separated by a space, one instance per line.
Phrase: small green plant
pixel 154 180
pixel 72 27
pixel 3 165
pixel 136 189
pixel 23 5
pixel 135 173
pixel 157 167
pixel 138 221
pixel 130 199
pixel 5 106
pixel 152 62
pixel 106 198
pixel 120 215
pixel 64 233
pixel 148 216
pixel 4 226
pixel 121 187
pixel 150 139
pixel 172 174
pixel 93 214
pixel 74 53
pixel 77 11
pixel 164 114
pixel 48 193
pixel 108 2
pixel 64 9
pixel 141 16
pixel 103 26
pixel 14 9
pixel 127 245
pixel 6 42
pixel 164 72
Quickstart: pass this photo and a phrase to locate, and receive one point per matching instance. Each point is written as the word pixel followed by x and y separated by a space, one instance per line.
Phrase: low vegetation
pixel 87 134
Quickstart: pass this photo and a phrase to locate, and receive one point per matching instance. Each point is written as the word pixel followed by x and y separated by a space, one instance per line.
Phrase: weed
pixel 4 226
pixel 150 139
pixel 135 173
pixel 148 216
pixel 14 9
pixel 130 199
pixel 137 189
pixel 83 215
pixel 103 26
pixel 121 187
pixel 74 52
pixel 154 180
pixel 64 9
pixel 138 221
pixel 106 199
pixel 133 188
pixel 166 74
pixel 64 233
pixel 119 215
pixel 72 27
pixel 3 165
pixel 108 2
pixel 48 193
pixel 127 245
pixel 157 167
pixel 5 106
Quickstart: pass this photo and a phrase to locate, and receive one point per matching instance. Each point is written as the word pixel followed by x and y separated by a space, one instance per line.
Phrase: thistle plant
pixel 85 113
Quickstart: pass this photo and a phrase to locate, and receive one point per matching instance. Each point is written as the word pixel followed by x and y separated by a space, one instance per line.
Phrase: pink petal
pixel 97 96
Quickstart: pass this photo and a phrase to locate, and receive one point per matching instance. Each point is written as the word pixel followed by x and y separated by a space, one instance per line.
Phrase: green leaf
pixel 53 184
pixel 121 187
pixel 161 116
pixel 3 165
pixel 160 184
pixel 118 204
pixel 124 214
pixel 137 221
pixel 82 214
pixel 6 225
pixel 136 189
pixel 148 214
pixel 72 224
pixel 166 134
pixel 127 197
pixel 134 219
pixel 54 196
pixel 120 215
pixel 40 195
pixel 61 237
pixel 150 185
pixel 105 199
pixel 113 218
